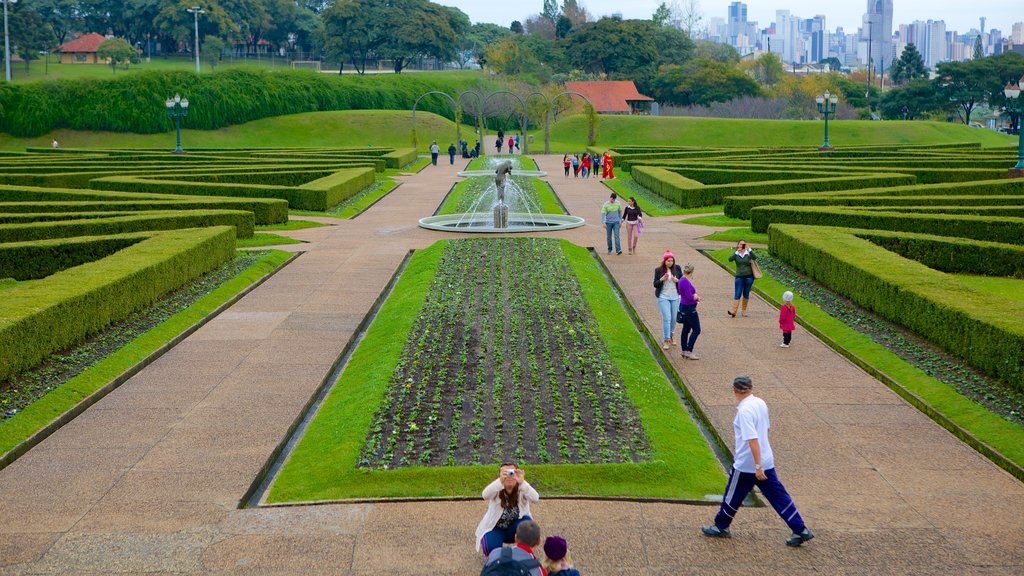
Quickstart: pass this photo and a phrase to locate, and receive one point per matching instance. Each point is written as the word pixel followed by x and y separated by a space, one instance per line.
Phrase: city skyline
pixel 999 14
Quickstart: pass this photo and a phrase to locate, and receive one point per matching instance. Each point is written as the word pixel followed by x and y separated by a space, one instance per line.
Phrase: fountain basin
pixel 483 223
pixel 473 173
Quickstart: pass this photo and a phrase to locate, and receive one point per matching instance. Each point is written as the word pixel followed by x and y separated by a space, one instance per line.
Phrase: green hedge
pixel 39 259
pixel 341 185
pixel 664 183
pixel 242 222
pixel 401 157
pixel 991 228
pixel 69 306
pixel 979 327
pixel 135 102
pixel 951 255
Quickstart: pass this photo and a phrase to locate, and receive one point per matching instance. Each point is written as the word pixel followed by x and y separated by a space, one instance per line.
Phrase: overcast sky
pixel 960 15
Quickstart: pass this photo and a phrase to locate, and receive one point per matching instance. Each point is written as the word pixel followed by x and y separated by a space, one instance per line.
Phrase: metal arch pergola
pixel 522 126
pixel 478 116
pixel 455 108
pixel 547 112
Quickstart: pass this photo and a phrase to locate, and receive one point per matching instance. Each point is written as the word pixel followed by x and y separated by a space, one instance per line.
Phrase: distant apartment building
pixel 1017 34
pixel 876 45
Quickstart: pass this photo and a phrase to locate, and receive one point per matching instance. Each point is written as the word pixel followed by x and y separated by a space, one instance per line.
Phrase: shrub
pixel 242 221
pixel 41 258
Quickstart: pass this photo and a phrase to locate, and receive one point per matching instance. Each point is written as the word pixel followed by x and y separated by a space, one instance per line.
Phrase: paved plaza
pixel 150 479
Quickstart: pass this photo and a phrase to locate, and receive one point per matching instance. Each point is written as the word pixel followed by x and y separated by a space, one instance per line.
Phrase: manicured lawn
pixel 737 234
pixel 290 225
pixel 718 220
pixel 569 133
pixel 990 428
pixel 466 193
pixel 265 239
pixel 37 415
pixel 39 70
pixel 1012 288
pixel 324 462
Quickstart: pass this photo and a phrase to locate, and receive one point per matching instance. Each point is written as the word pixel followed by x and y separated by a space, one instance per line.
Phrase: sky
pixel 959 15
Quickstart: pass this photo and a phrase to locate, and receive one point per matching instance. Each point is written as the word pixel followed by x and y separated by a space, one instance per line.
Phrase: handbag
pixel 756 269
pixel 680 317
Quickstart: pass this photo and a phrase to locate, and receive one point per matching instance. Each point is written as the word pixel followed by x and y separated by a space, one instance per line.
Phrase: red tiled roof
pixel 88 43
pixel 612 96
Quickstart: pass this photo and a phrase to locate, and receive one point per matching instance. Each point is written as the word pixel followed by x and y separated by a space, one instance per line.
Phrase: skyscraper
pixel 876 35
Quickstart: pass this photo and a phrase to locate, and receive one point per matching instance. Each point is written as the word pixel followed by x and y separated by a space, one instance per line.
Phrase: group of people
pixel 588 165
pixel 512 142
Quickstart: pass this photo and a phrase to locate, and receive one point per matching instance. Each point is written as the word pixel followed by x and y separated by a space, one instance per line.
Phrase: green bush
pixel 69 306
pixel 401 157
pixel 979 327
pixel 135 102
pixel 340 186
pixel 242 221
pixel 39 259
pixel 951 255
pixel 668 185
pixel 994 229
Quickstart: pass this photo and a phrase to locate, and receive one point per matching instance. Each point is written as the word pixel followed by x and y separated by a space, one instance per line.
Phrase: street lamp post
pixel 177 108
pixel 826 105
pixel 7 42
pixel 1014 105
pixel 196 11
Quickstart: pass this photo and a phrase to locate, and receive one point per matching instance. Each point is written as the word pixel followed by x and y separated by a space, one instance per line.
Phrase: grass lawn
pixel 39 70
pixel 1011 288
pixel 290 225
pixel 569 133
pixel 650 203
pixel 43 411
pixel 265 239
pixel 737 234
pixel 323 463
pixel 987 427
pixel 718 220
pixel 467 190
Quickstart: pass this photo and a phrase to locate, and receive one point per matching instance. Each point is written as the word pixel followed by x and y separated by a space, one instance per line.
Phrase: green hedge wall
pixel 991 228
pixel 664 183
pixel 243 223
pixel 135 102
pixel 69 306
pixel 340 186
pixel 951 255
pixel 983 329
pixel 39 259
pixel 400 157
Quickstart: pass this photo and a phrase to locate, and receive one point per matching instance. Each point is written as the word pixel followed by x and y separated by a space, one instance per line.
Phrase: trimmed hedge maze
pixel 88 237
pixel 892 228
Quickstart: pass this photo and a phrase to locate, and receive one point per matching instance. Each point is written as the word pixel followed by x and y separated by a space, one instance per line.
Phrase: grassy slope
pixel 990 428
pixel 323 465
pixel 61 399
pixel 569 133
pixel 39 70
pixel 387 128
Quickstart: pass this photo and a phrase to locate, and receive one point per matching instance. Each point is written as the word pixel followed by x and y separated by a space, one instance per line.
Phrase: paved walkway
pixel 149 479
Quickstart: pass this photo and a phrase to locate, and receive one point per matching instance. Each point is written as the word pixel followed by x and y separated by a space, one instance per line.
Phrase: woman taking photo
pixel 666 277
pixel 508 503
pixel 744 258
pixel 633 217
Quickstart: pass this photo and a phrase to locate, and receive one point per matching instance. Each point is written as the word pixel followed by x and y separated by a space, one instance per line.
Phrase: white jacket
pixel 526 495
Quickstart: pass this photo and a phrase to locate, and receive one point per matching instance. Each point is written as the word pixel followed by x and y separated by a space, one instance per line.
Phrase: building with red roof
pixel 613 97
pixel 82 50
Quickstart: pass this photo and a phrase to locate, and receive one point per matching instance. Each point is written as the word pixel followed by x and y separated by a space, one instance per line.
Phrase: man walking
pixel 611 217
pixel 754 466
pixel 451 154
pixel 434 151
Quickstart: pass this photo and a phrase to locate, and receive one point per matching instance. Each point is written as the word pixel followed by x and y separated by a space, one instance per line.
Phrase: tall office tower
pixel 982 25
pixel 818 34
pixel 877 33
pixel 1017 34
pixel 737 21
pixel 787 41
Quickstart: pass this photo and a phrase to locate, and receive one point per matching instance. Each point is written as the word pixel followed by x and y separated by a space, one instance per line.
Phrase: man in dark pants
pixel 451 154
pixel 754 466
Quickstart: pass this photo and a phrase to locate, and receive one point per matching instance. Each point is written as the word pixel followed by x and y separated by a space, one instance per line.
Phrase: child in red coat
pixel 787 318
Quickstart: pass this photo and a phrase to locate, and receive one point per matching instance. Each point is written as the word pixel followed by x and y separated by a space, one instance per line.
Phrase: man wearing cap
pixel 754 465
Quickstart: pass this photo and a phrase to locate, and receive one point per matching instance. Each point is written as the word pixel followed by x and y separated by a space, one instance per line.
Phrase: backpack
pixel 507 566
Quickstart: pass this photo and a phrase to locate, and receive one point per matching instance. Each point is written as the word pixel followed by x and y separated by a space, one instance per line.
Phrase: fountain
pixel 501 208
pixel 492 162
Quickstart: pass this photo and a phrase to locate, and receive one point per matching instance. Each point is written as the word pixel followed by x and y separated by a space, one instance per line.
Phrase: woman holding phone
pixel 666 278
pixel 744 258
pixel 508 503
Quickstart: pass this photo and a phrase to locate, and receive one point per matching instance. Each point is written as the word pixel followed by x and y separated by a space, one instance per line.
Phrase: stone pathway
pixel 149 479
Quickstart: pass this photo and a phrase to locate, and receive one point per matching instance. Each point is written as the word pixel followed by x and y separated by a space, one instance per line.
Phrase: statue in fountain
pixel 501 209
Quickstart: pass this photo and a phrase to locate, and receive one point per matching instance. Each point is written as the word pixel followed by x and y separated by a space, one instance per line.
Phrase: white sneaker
pixel 693 356
pixel 783 345
pixel 686 354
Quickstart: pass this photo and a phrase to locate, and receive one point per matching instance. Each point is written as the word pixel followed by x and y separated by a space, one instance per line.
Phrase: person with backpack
pixel 520 560
pixel 508 505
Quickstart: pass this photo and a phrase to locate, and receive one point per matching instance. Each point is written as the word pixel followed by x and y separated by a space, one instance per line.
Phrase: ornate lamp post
pixel 1014 105
pixel 196 11
pixel 826 105
pixel 177 108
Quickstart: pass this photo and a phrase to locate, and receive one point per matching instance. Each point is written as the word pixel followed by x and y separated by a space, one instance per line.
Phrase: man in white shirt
pixel 754 465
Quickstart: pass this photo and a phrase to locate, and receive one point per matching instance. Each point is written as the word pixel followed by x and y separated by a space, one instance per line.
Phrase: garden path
pixel 149 479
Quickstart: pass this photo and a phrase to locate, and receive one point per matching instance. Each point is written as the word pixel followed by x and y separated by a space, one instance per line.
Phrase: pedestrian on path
pixel 517 142
pixel 688 316
pixel 501 134
pixel 666 291
pixel 511 142
pixel 434 151
pixel 498 144
pixel 556 557
pixel 576 165
pixel 508 504
pixel 611 217
pixel 787 318
pixel 585 165
pixel 744 258
pixel 451 154
pixel 754 465
pixel 608 166
pixel 567 163
pixel 634 221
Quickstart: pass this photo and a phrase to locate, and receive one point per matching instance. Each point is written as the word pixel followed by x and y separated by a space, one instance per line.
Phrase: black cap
pixel 742 383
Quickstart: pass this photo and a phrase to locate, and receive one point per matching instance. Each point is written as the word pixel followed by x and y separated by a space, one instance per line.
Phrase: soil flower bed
pixel 504 359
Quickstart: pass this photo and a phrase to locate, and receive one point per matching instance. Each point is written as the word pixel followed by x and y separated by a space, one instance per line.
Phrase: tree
pixel 538 25
pixel 417 28
pixel 516 27
pixel 353 30
pixel 673 45
pixel 908 66
pixel 61 15
pixel 768 69
pixel 690 16
pixel 30 34
pixel 479 38
pixel 551 11
pixel 563 27
pixel 662 15
pixel 979 50
pixel 211 49
pixel 620 48
pixel 709 50
pixel 962 85
pixel 702 82
pixel 912 101
pixel 116 50
pixel 576 13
